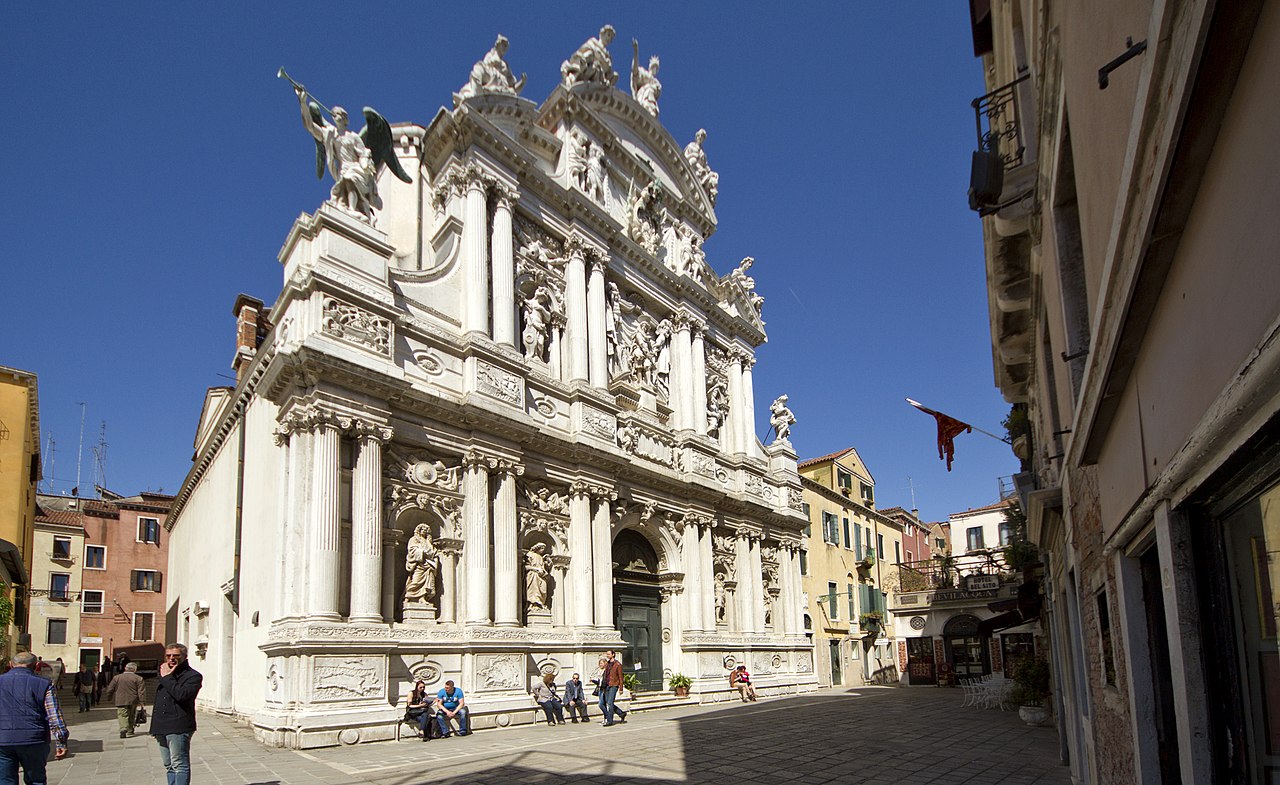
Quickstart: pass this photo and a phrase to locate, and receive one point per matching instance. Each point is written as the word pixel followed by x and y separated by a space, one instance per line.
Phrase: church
pixel 499 420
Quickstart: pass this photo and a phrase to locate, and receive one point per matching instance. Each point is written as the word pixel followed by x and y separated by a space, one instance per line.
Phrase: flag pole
pixel 922 407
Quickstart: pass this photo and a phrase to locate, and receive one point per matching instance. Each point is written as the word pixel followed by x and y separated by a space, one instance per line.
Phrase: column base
pixel 367 619
pixel 324 616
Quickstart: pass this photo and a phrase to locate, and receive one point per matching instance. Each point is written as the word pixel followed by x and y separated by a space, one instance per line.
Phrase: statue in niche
pixel 717 406
pixel 662 366
pixel 721 592
pixel 591 63
pixel 642 354
pixel 746 285
pixel 628 438
pixel 422 563
pixel 352 159
pixel 597 176
pixel 697 158
pixel 491 75
pixel 576 159
pixel 538 308
pixel 536 577
pixel 645 87
pixel 781 418
pixel 644 214
pixel 615 307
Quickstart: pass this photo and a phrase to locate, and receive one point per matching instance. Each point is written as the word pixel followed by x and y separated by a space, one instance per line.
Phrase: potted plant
pixel 871 621
pixel 680 684
pixel 1031 689
pixel 630 683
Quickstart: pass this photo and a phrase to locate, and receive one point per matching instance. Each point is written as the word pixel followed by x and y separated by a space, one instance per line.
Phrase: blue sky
pixel 156 165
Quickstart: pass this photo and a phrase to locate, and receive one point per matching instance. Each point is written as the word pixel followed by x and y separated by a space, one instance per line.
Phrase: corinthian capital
pixel 473 458
pixel 505 195
pixel 371 431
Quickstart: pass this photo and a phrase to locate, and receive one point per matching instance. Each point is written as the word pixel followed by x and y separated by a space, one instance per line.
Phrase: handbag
pixel 140 717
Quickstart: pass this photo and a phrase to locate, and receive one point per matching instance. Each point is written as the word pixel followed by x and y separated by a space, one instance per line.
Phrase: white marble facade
pixel 517 395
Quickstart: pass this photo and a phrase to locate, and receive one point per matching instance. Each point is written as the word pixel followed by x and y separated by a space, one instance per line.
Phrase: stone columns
pixel 707 567
pixel 506 551
pixel 580 554
pixel 694 588
pixel 475 233
pixel 755 577
pixel 366 523
pixel 682 378
pixel 733 429
pixel 748 443
pixel 325 539
pixel 475 532
pixel 698 382
pixel 743 599
pixel 602 557
pixel 559 574
pixel 448 603
pixel 790 598
pixel 576 307
pixel 389 560
pixel 296 440
pixel 504 270
pixel 597 356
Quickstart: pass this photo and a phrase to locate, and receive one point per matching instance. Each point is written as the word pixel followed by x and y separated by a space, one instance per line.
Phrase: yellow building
pixel 54 619
pixel 848 563
pixel 19 475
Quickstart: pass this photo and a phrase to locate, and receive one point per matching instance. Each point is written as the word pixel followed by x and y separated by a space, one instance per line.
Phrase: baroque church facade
pixel 499 420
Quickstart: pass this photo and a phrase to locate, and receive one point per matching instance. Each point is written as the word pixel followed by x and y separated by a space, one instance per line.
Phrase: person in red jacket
pixel 612 683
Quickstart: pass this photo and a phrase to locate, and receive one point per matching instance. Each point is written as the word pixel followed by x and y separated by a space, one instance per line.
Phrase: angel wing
pixel 318 118
pixel 377 137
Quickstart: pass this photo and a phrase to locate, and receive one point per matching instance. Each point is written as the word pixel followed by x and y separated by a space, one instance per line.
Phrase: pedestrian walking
pixel 128 691
pixel 599 682
pixel 59 670
pixel 99 684
pixel 173 714
pixel 82 687
pixel 29 713
pixel 575 699
pixel 612 683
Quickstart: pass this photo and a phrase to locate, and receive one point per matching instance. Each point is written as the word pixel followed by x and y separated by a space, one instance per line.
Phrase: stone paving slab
pixel 870 736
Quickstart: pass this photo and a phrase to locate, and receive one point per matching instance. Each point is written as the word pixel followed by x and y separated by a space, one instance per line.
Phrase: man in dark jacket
pixel 28 712
pixel 128 691
pixel 173 716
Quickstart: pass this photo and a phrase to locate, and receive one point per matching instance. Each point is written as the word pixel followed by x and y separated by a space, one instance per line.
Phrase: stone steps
pixel 658 700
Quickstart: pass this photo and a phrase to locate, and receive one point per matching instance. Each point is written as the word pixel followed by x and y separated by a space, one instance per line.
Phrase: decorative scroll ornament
pixel 356 325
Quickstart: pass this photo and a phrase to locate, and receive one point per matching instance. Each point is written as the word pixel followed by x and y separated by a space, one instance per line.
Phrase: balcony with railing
pixel 978 576
pixel 1003 166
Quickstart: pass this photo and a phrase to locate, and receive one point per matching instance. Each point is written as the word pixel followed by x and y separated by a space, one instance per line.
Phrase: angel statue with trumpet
pixel 353 159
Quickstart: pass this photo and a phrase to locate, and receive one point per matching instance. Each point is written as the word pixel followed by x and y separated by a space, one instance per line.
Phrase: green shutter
pixel 853 611
pixel 857 540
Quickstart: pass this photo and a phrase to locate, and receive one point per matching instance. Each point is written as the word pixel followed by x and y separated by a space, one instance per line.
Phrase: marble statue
pixel 781 418
pixel 546 500
pixel 422 563
pixel 697 158
pixel 720 592
pixel 746 285
pixel 536 574
pixel 628 437
pixel 491 75
pixel 576 159
pixel 538 308
pixel 717 406
pixel 591 63
pixel 645 87
pixel 597 186
pixel 662 366
pixel 352 159
pixel 643 216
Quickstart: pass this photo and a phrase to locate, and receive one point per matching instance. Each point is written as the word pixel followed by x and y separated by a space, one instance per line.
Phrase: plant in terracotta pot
pixel 1031 689
pixel 680 684
pixel 630 683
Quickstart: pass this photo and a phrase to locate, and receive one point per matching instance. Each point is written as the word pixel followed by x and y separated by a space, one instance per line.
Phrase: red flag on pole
pixel 948 429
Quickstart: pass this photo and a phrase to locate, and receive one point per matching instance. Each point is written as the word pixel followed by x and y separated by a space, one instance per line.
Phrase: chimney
pixel 251 328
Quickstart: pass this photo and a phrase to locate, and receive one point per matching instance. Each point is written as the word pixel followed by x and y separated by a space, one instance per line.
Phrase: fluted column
pixel 366 523
pixel 698 386
pixel 580 553
pixel 682 379
pixel 296 441
pixel 755 576
pixel 733 429
pixel 555 357
pixel 475 526
pixel 743 600
pixel 506 556
pixel 449 604
pixel 560 574
pixel 707 566
pixel 693 588
pixel 389 560
pixel 475 233
pixel 576 310
pixel 602 556
pixel 597 357
pixel 748 408
pixel 325 540
pixel 504 270
pixel 791 591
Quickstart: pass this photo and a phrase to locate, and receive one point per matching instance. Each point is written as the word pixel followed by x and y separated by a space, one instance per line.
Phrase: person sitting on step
pixel 546 697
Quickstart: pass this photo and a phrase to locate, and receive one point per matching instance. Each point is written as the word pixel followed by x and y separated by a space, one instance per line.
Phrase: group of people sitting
pixel 448 706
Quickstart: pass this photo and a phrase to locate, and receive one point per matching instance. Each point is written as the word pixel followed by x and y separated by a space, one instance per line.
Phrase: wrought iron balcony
pixel 999 124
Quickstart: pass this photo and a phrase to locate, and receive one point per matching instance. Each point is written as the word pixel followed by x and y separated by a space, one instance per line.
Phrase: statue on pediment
pixel 352 159
pixel 781 418
pixel 597 174
pixel 645 87
pixel 422 563
pixel 491 75
pixel 745 285
pixel 697 158
pixel 591 64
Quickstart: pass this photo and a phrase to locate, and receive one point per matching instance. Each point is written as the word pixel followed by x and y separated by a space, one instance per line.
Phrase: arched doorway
pixel 966 649
pixel 637 607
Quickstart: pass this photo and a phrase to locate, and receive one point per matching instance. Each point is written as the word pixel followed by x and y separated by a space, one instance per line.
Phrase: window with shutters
pixel 832 593
pixel 143 626
pixel 868 493
pixel 973 538
pixel 844 479
pixel 897 552
pixel 857 540
pixel 149 530
pixel 880 546
pixel 808 527
pixel 853 608
pixel 847 544
pixel 804 562
pixel 1006 534
pixel 830 528
pixel 145 580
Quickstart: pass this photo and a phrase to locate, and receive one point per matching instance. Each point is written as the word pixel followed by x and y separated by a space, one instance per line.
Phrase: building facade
pixel 1125 178
pixel 495 426
pixel 54 595
pixel 849 561
pixel 19 477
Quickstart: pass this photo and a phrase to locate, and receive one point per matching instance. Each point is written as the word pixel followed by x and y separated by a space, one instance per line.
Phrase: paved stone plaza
pixel 874 736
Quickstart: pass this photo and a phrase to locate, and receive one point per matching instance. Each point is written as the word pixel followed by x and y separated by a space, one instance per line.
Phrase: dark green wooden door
pixel 638 617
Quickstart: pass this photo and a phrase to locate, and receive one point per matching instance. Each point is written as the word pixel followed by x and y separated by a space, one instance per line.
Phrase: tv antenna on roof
pixel 100 460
